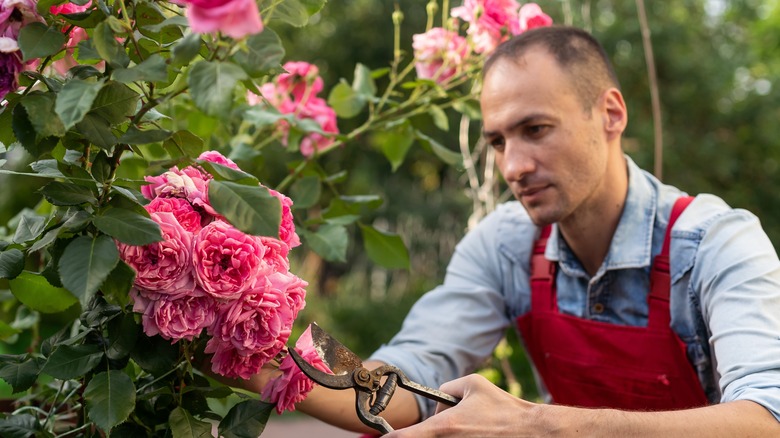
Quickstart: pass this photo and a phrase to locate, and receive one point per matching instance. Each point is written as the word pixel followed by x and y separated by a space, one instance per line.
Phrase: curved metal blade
pixel 324 379
pixel 340 359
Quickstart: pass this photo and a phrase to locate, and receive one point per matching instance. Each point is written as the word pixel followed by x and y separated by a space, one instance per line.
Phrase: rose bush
pixel 147 249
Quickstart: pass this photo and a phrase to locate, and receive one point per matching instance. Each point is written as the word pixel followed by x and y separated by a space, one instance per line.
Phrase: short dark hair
pixel 576 51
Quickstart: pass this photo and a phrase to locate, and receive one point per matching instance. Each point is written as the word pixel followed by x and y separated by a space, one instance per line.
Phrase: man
pixel 699 356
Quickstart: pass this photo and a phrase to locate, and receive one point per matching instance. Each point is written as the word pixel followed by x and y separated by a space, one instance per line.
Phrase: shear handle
pixel 416 388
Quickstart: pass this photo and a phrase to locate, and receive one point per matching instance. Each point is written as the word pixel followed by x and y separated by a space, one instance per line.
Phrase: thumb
pixel 459 388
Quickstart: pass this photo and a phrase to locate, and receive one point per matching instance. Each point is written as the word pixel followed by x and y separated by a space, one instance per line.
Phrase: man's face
pixel 550 150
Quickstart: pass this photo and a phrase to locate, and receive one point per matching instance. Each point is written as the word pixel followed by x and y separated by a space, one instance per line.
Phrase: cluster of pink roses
pixel 295 92
pixel 206 274
pixel 440 53
pixel 234 18
pixel 14 14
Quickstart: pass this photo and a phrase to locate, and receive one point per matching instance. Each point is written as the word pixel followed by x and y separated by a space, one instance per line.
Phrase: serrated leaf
pixel 117 286
pixel 75 100
pixel 19 371
pixel 24 131
pixel 45 241
pixel 385 249
pixel 186 49
pixel 35 292
pixel 251 209
pixel 11 263
pixel 306 192
pixel 64 194
pixel 101 167
pixel 184 425
pixel 183 143
pixel 85 264
pixel 263 52
pixel 152 69
pixel 71 361
pixel 128 227
pixel 107 46
pixel 136 136
pixel 246 419
pixel 30 227
pixel 97 130
pixel 110 398
pixel 395 143
pixel 212 85
pixel 115 103
pixel 36 40
pixel 345 101
pixel 20 426
pixel 330 241
pixel 122 334
pixel 155 354
pixel 40 110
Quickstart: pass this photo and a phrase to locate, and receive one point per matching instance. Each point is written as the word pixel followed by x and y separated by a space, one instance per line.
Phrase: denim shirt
pixel 724 303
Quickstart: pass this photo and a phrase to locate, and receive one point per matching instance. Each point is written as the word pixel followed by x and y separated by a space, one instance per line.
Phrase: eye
pixel 497 143
pixel 536 131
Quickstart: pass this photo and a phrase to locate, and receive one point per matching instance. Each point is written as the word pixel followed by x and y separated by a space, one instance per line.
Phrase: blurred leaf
pixel 128 226
pixel 115 103
pixel 183 143
pixel 30 226
pixel 450 157
pixel 63 194
pixel 468 108
pixel 35 292
pixel 329 241
pixel 186 49
pixel 137 136
pixel 19 371
pixel 363 82
pixel 11 263
pixel 394 143
pixel 184 425
pixel 75 100
pixel 110 398
pixel 251 209
pixel 71 361
pixel 86 263
pixel 295 12
pixel 40 110
pixel 305 192
pixel 152 69
pixel 19 426
pixel 6 331
pixel 212 85
pixel 36 40
pixel 108 47
pixel 246 419
pixel 345 101
pixel 264 52
pixel 385 249
pixel 439 117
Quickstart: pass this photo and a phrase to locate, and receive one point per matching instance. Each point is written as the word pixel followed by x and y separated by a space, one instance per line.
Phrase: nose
pixel 515 162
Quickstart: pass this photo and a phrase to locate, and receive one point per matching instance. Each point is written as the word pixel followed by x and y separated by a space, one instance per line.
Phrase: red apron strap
pixel 660 280
pixel 542 276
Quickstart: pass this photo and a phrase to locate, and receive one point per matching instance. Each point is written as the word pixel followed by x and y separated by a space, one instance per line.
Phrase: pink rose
pixel 287 227
pixel 227 261
pixel 189 219
pixel 276 253
pixel 293 386
pixel 10 67
pixel 301 79
pixel 293 287
pixel 175 318
pixel 216 157
pixel 234 18
pixel 259 322
pixel 439 53
pixel 189 183
pixel 318 110
pixel 69 8
pixel 488 20
pixel 77 35
pixel 163 267
pixel 229 363
pixel 531 16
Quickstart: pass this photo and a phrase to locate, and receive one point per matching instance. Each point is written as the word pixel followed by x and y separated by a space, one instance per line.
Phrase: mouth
pixel 532 194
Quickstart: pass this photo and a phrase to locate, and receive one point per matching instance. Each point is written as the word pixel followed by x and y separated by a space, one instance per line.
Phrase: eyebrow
pixel 525 120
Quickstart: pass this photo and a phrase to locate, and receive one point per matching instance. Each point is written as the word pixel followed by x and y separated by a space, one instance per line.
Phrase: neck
pixel 589 232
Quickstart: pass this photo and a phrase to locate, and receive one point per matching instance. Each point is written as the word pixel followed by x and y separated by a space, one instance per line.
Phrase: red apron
pixel 596 364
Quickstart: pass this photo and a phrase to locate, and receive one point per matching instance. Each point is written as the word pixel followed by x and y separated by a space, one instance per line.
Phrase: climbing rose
pixel 234 18
pixel 175 318
pixel 439 54
pixel 488 20
pixel 531 16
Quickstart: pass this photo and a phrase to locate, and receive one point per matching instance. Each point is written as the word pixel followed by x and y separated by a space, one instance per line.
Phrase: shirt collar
pixel 632 242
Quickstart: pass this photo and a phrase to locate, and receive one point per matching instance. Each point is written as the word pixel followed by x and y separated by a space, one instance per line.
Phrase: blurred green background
pixel 718 65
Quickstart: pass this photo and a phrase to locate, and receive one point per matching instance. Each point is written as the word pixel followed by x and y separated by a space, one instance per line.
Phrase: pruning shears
pixel 372 396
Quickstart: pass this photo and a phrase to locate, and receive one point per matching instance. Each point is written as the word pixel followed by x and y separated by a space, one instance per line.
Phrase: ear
pixel 614 112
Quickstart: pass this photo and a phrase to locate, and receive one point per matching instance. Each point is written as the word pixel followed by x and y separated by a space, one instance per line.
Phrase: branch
pixel 655 99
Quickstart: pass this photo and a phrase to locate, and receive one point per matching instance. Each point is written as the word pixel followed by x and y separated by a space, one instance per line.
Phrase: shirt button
pixel 598 308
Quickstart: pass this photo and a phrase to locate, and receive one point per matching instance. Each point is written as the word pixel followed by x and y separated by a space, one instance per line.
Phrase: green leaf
pixel 71 361
pixel 395 143
pixel 118 284
pixel 345 101
pixel 212 85
pixel 251 209
pixel 35 292
pixel 330 241
pixel 19 371
pixel 108 47
pixel 155 354
pixel 11 263
pixel 246 419
pixel 122 335
pixel 263 53
pixel 128 227
pixel 85 264
pixel 75 100
pixel 184 425
pixel 306 192
pixel 110 398
pixel 45 241
pixel 384 248
pixel 296 12
pixel 6 331
pixel 40 110
pixel 30 227
pixel 97 130
pixel 136 136
pixel 101 167
pixel 63 194
pixel 450 157
pixel 183 143
pixel 152 69
pixel 224 173
pixel 468 108
pixel 115 103
pixel 439 118
pixel 363 83
pixel 20 426
pixel 36 40
pixel 186 49
pixel 24 131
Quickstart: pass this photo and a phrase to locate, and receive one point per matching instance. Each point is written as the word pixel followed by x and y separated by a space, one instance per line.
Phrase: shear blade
pixel 340 359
